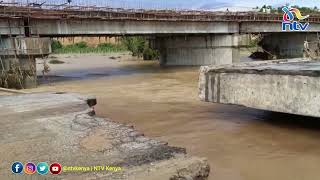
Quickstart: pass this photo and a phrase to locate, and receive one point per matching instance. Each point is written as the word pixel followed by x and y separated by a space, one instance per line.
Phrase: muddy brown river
pixel 240 143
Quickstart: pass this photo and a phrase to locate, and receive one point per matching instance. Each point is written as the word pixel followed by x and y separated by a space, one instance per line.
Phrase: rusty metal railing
pixel 54 11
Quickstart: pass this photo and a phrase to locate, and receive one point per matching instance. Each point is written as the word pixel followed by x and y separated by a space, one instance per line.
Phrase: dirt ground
pixel 240 143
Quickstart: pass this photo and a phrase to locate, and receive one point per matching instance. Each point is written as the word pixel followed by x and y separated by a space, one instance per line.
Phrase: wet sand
pixel 240 143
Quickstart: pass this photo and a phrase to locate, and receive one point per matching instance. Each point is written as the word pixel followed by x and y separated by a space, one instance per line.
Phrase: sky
pixel 308 3
pixel 183 4
pixel 215 3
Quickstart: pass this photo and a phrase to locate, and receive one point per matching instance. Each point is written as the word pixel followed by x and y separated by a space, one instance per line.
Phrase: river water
pixel 240 143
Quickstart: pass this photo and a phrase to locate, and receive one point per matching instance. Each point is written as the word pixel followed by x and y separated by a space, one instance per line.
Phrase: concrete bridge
pixel 182 37
pixel 75 21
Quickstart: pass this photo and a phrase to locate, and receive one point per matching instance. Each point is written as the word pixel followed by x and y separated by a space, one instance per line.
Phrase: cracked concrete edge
pixel 181 167
pixel 206 72
pixel 216 68
pixel 143 157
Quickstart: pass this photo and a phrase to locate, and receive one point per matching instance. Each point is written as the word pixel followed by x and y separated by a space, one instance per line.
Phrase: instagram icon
pixel 29 168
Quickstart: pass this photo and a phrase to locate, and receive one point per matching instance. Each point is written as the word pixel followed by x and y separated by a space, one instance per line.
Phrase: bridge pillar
pixel 290 44
pixel 17 60
pixel 213 49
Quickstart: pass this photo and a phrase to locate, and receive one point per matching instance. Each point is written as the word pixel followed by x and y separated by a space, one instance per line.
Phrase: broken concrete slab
pixel 57 127
pixel 288 86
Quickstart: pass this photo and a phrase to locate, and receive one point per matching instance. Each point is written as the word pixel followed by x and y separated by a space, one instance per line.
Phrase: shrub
pixel 150 54
pixel 80 45
pixel 135 44
pixel 140 47
pixel 55 45
pixel 107 47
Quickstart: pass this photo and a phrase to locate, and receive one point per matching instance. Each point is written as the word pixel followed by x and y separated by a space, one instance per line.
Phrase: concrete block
pixel 25 46
pixel 198 50
pixel 282 86
pixel 288 45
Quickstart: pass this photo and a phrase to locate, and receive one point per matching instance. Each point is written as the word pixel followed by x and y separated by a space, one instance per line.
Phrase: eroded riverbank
pixel 240 143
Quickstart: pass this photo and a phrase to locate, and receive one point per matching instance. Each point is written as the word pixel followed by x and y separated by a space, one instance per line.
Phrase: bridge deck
pixel 107 13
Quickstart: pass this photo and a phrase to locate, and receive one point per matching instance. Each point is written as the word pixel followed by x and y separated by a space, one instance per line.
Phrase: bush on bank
pixel 82 47
pixel 150 54
pixel 138 46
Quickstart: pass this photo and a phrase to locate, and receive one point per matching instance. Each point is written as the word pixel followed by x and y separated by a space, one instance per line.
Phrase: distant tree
pixel 272 9
pixel 263 7
pixel 306 10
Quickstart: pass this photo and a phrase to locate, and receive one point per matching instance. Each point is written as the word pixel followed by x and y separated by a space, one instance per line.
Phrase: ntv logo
pixel 289 22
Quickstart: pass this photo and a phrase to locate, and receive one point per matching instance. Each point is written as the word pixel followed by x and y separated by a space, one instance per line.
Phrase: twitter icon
pixel 42 168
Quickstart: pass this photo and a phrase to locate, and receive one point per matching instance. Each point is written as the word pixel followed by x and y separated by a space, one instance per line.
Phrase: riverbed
pixel 240 143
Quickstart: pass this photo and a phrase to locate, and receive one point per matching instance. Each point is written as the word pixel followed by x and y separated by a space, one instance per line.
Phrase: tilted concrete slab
pixel 288 86
pixel 58 127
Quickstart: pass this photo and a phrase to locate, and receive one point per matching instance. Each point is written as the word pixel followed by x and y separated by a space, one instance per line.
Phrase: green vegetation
pixel 303 10
pixel 15 77
pixel 55 45
pixel 150 54
pixel 253 42
pixel 307 10
pixel 82 47
pixel 138 46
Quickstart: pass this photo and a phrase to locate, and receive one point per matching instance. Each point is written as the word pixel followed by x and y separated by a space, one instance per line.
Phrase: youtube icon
pixel 55 168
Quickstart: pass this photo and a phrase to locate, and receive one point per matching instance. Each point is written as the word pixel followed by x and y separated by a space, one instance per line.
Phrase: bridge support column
pixel 289 45
pixel 198 50
pixel 17 60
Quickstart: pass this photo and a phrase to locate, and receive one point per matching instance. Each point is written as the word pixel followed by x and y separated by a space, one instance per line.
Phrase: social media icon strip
pixel 17 167
pixel 55 168
pixel 42 168
pixel 29 168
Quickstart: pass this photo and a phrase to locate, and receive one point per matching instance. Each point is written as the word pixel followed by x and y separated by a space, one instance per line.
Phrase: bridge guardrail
pixel 50 11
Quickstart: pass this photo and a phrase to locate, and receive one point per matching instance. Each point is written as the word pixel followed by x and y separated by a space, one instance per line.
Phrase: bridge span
pixel 182 37
pixel 51 20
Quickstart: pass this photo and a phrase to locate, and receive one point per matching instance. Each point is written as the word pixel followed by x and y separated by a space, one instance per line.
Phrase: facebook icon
pixel 17 167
